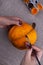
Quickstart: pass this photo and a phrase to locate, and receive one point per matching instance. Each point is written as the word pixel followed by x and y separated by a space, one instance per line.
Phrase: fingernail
pixel 28 45
pixel 20 22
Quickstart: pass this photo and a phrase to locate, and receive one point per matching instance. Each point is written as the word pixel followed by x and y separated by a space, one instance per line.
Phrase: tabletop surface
pixel 9 55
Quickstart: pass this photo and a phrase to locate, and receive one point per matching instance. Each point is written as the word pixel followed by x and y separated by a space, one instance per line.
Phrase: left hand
pixel 8 20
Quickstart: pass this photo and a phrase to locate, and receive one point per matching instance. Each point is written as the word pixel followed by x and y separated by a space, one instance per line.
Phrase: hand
pixel 8 20
pixel 29 59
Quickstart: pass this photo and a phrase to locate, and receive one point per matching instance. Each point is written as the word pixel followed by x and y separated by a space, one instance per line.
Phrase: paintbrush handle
pixel 35 54
pixel 37 59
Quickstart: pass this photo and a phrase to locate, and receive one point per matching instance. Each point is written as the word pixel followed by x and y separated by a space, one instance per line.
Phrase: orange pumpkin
pixel 39 6
pixel 26 1
pixel 34 11
pixel 17 35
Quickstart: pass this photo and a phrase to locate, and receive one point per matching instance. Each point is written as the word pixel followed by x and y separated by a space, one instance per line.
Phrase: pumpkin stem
pixel 33 25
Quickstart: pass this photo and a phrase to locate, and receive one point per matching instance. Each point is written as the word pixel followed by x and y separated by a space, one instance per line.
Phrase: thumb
pixel 19 23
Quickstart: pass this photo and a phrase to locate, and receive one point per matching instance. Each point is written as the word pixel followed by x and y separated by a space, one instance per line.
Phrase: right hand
pixel 29 59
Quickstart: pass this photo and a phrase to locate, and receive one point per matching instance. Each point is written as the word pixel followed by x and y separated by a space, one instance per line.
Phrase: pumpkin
pixel 39 6
pixel 26 1
pixel 34 11
pixel 17 35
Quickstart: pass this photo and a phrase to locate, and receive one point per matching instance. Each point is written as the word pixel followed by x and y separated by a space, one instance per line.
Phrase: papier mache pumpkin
pixel 18 35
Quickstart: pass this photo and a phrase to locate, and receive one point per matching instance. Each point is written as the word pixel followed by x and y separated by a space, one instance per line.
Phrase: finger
pixel 17 20
pixel 19 23
pixel 5 21
pixel 39 52
pixel 1 26
pixel 29 52
pixel 39 55
pixel 14 18
pixel 36 48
